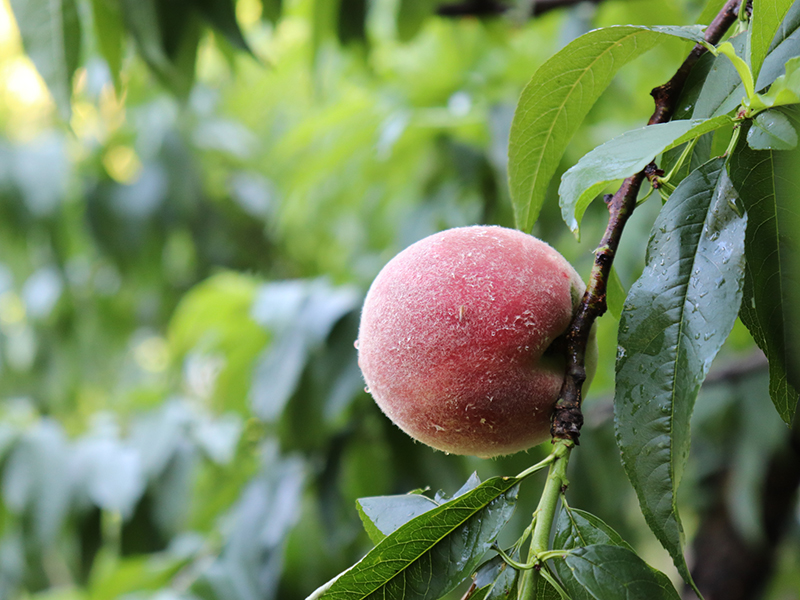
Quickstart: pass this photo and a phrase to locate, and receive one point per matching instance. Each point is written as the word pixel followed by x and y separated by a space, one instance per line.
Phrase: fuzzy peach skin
pixel 454 337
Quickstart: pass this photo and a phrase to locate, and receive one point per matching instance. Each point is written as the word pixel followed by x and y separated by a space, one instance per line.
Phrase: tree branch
pixel 567 416
pixel 490 8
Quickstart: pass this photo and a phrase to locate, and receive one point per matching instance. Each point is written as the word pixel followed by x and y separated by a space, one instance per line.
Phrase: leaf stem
pixel 538 466
pixel 545 515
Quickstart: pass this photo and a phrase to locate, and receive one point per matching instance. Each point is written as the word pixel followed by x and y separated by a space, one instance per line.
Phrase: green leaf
pixel 676 317
pixel 602 571
pixel 621 157
pixel 770 195
pixel 300 314
pixel 771 130
pixel 382 515
pixel 576 528
pixel 785 89
pixel 221 14
pixel 167 35
pixel 615 294
pixel 784 46
pixel 431 554
pixel 556 100
pixel 767 18
pixel 723 89
pixel 51 36
pixel 495 580
pixel 110 36
pixel 411 14
pixel 710 11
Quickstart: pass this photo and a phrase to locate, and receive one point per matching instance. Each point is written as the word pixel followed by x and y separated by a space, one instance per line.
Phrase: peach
pixel 456 341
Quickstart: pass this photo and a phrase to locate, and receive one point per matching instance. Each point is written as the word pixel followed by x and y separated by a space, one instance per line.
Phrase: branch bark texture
pixel 567 416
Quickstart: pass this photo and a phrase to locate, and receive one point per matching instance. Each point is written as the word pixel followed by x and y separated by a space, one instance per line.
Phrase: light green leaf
pixel 771 130
pixel 431 554
pixel 51 36
pixel 785 89
pixel 110 36
pixel 604 572
pixel 724 90
pixel 557 99
pixel 615 294
pixel 767 18
pixel 676 317
pixel 621 157
pixel 769 191
pixel 784 46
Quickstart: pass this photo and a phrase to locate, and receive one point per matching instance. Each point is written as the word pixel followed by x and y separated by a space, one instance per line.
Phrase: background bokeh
pixel 184 247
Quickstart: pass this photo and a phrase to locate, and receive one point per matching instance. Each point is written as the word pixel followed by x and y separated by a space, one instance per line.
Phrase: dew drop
pixel 367 390
pixel 355 344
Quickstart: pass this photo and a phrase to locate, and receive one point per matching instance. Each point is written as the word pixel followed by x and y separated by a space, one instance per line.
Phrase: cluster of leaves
pixel 183 416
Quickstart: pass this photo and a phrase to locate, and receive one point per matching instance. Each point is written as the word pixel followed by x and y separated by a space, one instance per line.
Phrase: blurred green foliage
pixel 181 269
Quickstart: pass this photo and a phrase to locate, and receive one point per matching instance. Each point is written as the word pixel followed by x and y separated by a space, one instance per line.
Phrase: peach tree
pixel 719 153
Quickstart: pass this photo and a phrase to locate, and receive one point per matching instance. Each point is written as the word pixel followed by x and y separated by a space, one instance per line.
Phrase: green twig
pixel 545 515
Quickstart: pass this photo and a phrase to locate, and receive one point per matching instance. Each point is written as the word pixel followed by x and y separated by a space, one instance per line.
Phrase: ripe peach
pixel 456 339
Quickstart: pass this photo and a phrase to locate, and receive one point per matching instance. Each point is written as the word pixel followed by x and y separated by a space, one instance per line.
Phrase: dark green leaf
pixel 621 157
pixel 769 191
pixel 382 515
pixel 557 99
pixel 723 89
pixel 51 36
pixel 771 130
pixel 604 572
pixel 578 528
pixel 430 555
pixel 222 16
pixel 495 580
pixel 767 18
pixel 167 35
pixel 676 317
pixel 411 14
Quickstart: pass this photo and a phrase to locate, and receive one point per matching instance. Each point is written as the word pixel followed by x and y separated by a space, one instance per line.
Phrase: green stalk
pixel 545 515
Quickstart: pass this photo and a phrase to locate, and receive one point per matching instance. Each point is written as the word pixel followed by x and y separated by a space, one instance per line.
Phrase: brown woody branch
pixel 491 8
pixel 567 416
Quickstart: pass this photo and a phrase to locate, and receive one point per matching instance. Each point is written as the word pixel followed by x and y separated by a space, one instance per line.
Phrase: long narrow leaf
pixel 51 35
pixel 431 554
pixel 621 157
pixel 558 97
pixel 676 317
pixel 769 191
pixel 767 18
